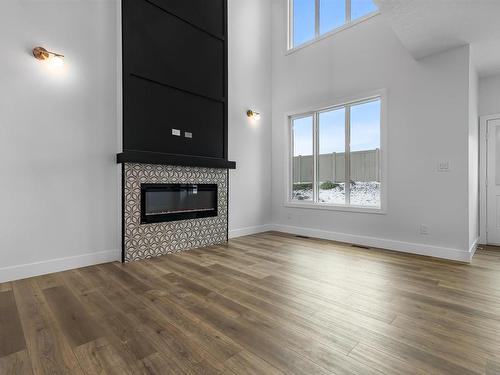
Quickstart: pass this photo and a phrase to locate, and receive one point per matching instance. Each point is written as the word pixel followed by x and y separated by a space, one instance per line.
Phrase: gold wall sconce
pixel 41 53
pixel 253 115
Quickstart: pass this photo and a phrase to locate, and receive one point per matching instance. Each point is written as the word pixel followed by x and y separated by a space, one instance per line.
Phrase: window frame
pixel 290 48
pixel 314 112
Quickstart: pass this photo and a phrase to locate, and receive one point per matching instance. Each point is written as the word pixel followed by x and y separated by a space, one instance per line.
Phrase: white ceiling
pixel 426 27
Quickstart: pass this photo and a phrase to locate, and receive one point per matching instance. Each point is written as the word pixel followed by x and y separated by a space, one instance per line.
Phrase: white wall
pixel 59 193
pixel 489 95
pixel 427 103
pixel 249 26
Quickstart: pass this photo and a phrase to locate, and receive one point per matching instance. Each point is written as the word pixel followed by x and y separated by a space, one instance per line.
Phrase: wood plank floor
pixel 264 304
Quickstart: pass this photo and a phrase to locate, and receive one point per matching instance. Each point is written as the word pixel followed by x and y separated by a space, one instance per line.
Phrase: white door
pixel 493 182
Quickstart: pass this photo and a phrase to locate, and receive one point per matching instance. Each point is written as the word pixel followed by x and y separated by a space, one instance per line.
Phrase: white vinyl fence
pixel 364 167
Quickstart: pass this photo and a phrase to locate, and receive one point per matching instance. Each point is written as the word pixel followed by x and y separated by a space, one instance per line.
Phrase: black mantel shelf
pixel 143 157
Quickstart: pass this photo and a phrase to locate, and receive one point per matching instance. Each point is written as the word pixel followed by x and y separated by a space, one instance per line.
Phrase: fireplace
pixel 172 208
pixel 172 202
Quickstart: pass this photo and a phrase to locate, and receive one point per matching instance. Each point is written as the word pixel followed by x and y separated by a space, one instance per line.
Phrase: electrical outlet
pixel 289 216
pixel 424 229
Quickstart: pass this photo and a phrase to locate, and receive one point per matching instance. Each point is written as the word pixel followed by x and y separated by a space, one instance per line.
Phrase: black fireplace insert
pixel 172 202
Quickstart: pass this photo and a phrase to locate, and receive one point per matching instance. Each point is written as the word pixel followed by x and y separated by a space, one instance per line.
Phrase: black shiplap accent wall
pixel 175 76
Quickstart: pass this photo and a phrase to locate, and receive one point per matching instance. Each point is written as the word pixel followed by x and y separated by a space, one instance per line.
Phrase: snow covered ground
pixel 362 194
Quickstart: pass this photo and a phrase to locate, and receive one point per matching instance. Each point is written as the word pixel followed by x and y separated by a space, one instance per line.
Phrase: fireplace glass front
pixel 172 202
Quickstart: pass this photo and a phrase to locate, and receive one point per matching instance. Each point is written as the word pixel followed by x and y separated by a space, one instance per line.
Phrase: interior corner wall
pixel 489 95
pixel 59 191
pixel 249 25
pixel 473 152
pixel 427 114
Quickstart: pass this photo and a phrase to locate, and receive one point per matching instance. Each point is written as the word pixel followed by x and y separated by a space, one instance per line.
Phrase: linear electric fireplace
pixel 172 202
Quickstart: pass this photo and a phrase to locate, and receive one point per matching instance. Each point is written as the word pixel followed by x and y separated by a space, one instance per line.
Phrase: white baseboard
pixel 473 247
pixel 23 271
pixel 233 233
pixel 405 247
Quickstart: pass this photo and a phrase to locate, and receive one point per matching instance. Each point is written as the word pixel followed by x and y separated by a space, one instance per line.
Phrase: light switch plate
pixel 176 132
pixel 188 134
pixel 443 166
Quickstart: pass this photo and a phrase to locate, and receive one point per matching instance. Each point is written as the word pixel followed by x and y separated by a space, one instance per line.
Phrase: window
pixel 336 155
pixel 311 19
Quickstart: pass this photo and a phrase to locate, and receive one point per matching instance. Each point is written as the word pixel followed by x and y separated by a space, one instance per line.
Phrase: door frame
pixel 483 165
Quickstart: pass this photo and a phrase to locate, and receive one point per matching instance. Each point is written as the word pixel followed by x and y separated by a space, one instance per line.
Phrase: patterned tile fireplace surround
pixel 141 241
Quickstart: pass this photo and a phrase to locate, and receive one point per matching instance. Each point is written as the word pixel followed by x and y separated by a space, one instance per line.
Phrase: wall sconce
pixel 253 115
pixel 55 59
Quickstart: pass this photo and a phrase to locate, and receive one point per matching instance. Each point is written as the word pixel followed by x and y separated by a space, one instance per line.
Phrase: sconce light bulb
pixel 55 60
pixel 253 115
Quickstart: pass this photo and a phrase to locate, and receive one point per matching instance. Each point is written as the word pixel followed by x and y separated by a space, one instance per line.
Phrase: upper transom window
pixel 311 19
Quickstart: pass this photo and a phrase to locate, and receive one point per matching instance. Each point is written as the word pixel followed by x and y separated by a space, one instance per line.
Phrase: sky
pixel 332 16
pixel 365 130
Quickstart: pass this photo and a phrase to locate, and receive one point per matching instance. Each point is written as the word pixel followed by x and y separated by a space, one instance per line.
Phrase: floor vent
pixel 360 246
pixel 305 237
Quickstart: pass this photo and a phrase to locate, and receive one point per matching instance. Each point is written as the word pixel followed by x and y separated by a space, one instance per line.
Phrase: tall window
pixel 310 19
pixel 336 155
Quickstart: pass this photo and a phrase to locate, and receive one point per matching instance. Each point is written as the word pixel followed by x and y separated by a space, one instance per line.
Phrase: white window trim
pixel 317 37
pixel 288 165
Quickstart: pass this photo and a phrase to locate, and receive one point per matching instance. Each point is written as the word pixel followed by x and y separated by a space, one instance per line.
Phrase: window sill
pixel 333 207
pixel 345 26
